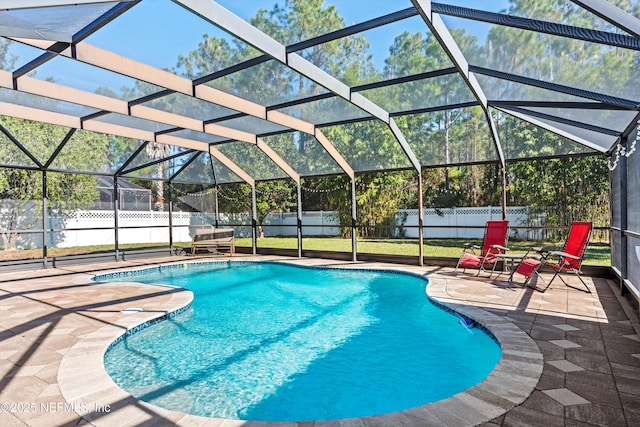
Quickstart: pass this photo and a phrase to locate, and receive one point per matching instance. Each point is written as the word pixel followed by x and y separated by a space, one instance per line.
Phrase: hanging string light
pixel 272 193
pixel 227 197
pixel 203 193
pixel 209 192
pixel 315 190
pixel 394 187
pixel 622 151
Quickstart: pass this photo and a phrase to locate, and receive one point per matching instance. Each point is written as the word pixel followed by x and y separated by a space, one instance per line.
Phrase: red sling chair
pixel 567 260
pixel 494 243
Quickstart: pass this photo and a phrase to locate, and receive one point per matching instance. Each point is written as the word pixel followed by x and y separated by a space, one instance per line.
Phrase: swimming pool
pixel 277 342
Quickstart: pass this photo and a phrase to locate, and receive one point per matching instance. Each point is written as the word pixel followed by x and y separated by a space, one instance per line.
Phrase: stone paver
pixel 565 343
pixel 566 366
pixel 566 328
pixel 570 358
pixel 565 397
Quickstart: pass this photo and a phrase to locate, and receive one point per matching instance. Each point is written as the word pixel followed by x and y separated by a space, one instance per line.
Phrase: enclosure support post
pixel 420 222
pixel 116 212
pixel 170 219
pixel 503 201
pixel 215 199
pixel 354 251
pixel 45 219
pixel 254 220
pixel 624 219
pixel 299 220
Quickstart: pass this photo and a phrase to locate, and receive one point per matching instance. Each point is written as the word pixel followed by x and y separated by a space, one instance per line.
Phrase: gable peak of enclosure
pixel 295 88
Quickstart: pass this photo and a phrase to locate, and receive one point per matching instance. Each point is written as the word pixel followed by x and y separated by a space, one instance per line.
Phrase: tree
pixel 158 151
pixel 271 82
pixel 446 137
pixel 274 197
pixel 21 189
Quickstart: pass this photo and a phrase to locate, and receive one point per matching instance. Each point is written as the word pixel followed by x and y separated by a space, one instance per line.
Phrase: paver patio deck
pixel 579 363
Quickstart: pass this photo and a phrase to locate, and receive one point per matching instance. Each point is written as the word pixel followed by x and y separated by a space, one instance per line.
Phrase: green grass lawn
pixel 597 253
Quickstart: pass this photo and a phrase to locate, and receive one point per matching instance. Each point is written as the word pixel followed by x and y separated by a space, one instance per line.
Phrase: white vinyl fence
pixel 152 227
pixel 462 222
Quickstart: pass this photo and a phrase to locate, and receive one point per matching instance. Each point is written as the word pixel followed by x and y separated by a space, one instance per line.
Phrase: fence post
pixel 455 219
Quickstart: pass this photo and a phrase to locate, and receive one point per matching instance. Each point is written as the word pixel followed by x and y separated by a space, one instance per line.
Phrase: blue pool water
pixel 277 342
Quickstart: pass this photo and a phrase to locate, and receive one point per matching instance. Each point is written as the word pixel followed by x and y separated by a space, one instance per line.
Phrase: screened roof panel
pixel 155 151
pixel 58 23
pixel 488 5
pixel 252 160
pixel 561 12
pixel 506 90
pixel 394 50
pixel 252 125
pixel 584 65
pixel 17 54
pixel 10 154
pixel 122 150
pixel 425 93
pixel 449 137
pixel 133 122
pixel 633 8
pixel 564 12
pixel 169 32
pixel 268 83
pixel 141 167
pixel 198 136
pixel 93 79
pixel 198 171
pixel 350 13
pixel 608 119
pixel 107 152
pixel 40 139
pixel 303 153
pixel 181 163
pixel 354 13
pixel 48 104
pixel 224 175
pixel 367 146
pixel 149 172
pixel 521 140
pixel 329 110
pixel 189 106
pixel 206 169
pixel 601 140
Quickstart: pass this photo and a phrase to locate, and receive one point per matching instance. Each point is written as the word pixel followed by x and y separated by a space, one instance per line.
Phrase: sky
pixel 158 31
pixel 148 23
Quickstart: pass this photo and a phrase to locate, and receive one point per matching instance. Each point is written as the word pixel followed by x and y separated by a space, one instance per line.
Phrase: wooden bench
pixel 213 239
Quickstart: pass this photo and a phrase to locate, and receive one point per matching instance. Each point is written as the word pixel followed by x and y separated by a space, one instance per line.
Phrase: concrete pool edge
pixel 510 383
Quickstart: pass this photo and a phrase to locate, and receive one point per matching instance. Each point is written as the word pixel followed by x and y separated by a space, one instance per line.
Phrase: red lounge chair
pixel 494 243
pixel 567 260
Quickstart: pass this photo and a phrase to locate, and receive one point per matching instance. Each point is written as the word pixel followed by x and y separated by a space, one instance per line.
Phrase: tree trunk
pixel 10 237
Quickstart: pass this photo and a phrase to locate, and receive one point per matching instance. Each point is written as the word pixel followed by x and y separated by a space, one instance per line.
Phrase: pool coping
pixel 509 383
